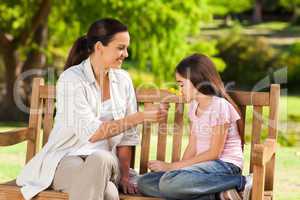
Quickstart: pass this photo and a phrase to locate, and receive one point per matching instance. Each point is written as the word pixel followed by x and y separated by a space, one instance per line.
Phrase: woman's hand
pixel 127 187
pixel 159 166
pixel 155 113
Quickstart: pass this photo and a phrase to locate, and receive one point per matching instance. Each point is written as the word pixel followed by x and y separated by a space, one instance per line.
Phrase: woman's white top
pixel 78 116
pixel 89 148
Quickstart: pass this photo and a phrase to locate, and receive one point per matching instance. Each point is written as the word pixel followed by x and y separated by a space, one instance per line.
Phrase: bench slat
pixel 162 139
pixel 145 145
pixel 178 131
pixel 256 130
pixel 48 119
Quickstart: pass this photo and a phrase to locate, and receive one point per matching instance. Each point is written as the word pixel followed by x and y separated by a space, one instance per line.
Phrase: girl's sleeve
pixel 191 111
pixel 223 113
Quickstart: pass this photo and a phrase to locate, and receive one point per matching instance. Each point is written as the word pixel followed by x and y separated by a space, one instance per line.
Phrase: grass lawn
pixel 277 33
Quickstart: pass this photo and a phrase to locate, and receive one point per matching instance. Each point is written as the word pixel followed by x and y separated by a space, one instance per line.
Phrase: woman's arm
pixel 115 127
pixel 216 147
pixel 125 155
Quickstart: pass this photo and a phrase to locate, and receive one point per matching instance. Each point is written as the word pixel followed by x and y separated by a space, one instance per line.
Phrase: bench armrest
pixel 16 136
pixel 262 153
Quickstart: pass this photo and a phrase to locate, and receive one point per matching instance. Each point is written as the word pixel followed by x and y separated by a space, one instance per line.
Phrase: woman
pixel 96 118
pixel 213 160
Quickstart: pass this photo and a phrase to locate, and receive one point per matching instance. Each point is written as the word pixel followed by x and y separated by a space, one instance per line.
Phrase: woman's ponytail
pixel 78 52
pixel 102 30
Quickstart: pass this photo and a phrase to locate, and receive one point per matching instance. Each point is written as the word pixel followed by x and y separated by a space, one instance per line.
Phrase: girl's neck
pixel 203 99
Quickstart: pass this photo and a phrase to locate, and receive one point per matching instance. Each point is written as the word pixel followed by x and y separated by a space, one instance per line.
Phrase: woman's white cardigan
pixel 78 103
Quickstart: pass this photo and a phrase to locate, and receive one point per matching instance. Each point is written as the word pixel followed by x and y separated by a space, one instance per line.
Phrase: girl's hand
pixel 159 166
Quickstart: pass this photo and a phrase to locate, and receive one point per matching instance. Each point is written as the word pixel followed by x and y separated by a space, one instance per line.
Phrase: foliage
pixel 292 61
pixel 224 7
pixel 245 55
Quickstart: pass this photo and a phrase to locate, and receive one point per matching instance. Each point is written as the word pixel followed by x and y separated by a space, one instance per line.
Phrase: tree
pixel 257 11
pixel 292 5
pixel 161 34
pixel 22 36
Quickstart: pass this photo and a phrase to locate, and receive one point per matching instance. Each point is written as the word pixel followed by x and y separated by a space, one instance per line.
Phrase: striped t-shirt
pixel 219 112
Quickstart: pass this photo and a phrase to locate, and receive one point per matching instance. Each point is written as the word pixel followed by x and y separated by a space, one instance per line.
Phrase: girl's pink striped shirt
pixel 219 112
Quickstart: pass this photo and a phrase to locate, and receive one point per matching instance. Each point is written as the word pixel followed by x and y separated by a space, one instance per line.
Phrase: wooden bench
pixel 262 162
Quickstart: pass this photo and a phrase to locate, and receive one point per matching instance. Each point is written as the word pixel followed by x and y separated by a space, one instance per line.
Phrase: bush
pixel 248 59
pixel 292 61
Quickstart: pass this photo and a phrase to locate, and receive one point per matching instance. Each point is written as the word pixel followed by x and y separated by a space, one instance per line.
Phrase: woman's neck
pixel 100 71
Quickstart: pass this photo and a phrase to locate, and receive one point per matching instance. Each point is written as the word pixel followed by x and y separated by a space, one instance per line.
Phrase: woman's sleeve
pixel 131 136
pixel 74 109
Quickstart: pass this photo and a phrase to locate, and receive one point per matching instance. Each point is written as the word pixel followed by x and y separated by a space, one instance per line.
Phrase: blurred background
pixel 252 42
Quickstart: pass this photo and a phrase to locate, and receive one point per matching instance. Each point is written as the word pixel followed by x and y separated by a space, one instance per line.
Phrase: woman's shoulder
pixel 73 74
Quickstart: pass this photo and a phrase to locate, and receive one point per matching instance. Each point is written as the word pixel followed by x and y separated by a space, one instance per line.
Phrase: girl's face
pixel 113 55
pixel 187 88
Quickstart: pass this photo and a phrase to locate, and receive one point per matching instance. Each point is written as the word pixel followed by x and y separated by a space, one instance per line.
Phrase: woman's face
pixel 113 55
pixel 186 87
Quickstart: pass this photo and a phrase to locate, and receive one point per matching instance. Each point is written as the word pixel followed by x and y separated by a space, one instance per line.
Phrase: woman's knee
pixel 111 192
pixel 102 157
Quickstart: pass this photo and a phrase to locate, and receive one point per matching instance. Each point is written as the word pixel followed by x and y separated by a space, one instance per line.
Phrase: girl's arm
pixel 216 147
pixel 190 150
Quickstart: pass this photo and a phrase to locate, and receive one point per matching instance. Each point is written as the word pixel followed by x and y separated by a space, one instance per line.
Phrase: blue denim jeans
pixel 202 181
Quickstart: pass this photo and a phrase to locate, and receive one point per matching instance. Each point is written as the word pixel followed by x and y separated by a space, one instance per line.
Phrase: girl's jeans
pixel 202 181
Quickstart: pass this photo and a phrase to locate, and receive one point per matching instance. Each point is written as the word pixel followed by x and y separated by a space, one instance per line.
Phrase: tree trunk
pixel 257 12
pixel 10 109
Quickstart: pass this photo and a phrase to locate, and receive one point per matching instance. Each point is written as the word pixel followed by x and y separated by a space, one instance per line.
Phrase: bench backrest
pixel 43 101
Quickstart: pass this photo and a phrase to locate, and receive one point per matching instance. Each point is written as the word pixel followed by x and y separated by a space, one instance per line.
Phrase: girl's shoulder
pixel 222 111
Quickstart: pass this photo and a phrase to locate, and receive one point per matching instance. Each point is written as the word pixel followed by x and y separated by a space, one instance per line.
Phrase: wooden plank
pixel 243 118
pixel 35 118
pixel 273 132
pixel 137 197
pixel 145 145
pixel 240 97
pixel 47 92
pixel 244 98
pixel 133 152
pixel 16 136
pixel 162 138
pixel 13 192
pixel 48 119
pixel 274 109
pixel 178 132
pixel 258 182
pixel 152 95
pixel 257 121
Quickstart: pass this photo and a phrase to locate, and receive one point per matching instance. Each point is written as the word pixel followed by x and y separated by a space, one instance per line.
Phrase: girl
pixel 213 159
pixel 94 124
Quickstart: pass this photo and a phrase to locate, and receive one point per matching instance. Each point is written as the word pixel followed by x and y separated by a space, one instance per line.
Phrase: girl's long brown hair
pixel 201 71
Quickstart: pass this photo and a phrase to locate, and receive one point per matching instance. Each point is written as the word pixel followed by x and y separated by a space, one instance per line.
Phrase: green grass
pixel 278 34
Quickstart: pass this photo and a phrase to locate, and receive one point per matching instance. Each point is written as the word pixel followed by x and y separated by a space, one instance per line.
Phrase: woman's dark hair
pixel 102 30
pixel 201 71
